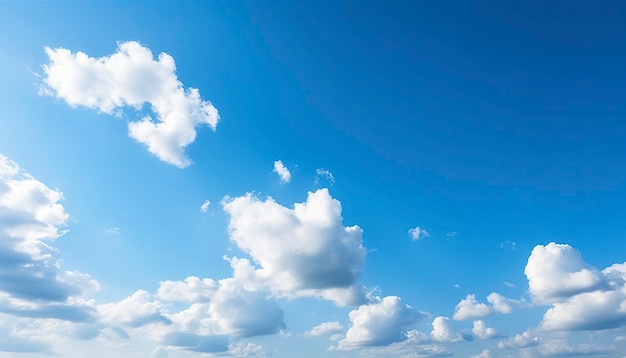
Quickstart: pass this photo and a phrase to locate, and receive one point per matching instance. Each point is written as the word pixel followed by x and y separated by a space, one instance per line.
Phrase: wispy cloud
pixel 324 176
pixel 417 233
pixel 205 206
pixel 112 231
pixel 282 171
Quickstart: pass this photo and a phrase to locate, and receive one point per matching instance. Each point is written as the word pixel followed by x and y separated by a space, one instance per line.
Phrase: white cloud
pixel 484 354
pixel 326 328
pixel 324 176
pixel 416 345
pixel 560 348
pixel 418 233
pixel 304 251
pixel 451 233
pixel 282 171
pixel 509 284
pixel 113 231
pixel 191 290
pixel 508 244
pixel 134 311
pixel 469 308
pixel 31 281
pixel 582 297
pixel 558 271
pixel 443 331
pixel 481 330
pixel 131 77
pixel 380 324
pixel 205 206
pixel 527 339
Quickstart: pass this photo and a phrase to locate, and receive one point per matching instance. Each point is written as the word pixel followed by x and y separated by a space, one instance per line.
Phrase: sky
pixel 312 179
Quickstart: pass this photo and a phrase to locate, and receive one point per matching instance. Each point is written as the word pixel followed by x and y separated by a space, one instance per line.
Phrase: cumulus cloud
pixel 304 251
pixel 416 345
pixel 469 307
pixel 558 271
pixel 205 206
pixel 481 330
pixel 380 324
pixel 443 331
pixel 326 328
pixel 582 297
pixel 418 233
pixel 132 78
pixel 282 171
pixel 31 281
pixel 134 311
pixel 192 289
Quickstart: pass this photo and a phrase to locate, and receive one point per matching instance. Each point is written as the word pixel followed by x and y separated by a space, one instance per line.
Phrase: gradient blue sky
pixel 495 127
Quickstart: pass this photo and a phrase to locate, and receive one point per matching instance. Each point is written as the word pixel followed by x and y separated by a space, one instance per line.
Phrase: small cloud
pixel 282 171
pixel 205 206
pixel 508 244
pixel 456 285
pixel 418 233
pixel 451 233
pixel 509 284
pixel 325 175
pixel 113 231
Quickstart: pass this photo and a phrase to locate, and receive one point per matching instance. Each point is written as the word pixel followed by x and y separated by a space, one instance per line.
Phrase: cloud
pixel 191 290
pixel 31 281
pixel 509 284
pixel 469 308
pixel 418 233
pixel 581 296
pixel 527 339
pixel 380 324
pixel 443 331
pixel 560 348
pixel 113 231
pixel 416 345
pixel 558 271
pixel 326 328
pixel 304 251
pixel 481 330
pixel 134 311
pixel 205 206
pixel 451 233
pixel 484 354
pixel 508 244
pixel 132 78
pixel 324 176
pixel 282 171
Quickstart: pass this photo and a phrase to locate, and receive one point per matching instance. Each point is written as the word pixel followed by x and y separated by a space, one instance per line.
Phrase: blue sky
pixel 382 179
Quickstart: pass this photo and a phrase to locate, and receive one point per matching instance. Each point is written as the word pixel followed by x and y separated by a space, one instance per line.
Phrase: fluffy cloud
pixel 469 308
pixel 380 324
pixel 325 328
pixel 135 311
pixel 131 77
pixel 481 330
pixel 282 171
pixel 443 331
pixel 192 290
pixel 558 271
pixel 527 339
pixel 416 345
pixel 582 297
pixel 418 233
pixel 31 281
pixel 304 251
